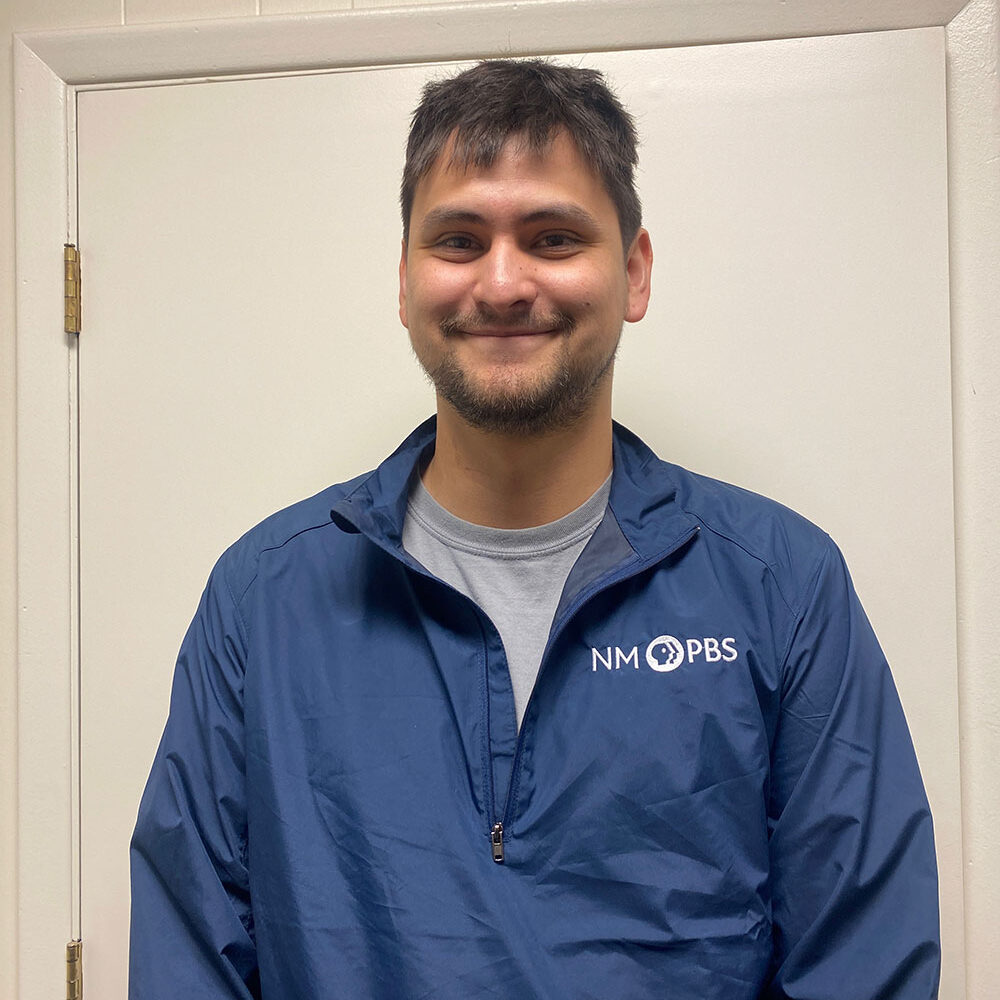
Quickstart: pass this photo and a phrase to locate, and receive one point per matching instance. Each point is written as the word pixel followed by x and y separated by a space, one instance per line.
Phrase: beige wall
pixel 976 215
pixel 974 180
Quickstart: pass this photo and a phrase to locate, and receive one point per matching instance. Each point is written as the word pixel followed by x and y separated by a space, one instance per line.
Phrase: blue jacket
pixel 713 794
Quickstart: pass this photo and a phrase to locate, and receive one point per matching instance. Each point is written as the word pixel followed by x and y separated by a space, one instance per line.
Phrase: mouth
pixel 474 326
pixel 507 332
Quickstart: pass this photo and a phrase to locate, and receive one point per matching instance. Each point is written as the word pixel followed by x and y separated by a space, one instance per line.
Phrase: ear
pixel 638 269
pixel 402 286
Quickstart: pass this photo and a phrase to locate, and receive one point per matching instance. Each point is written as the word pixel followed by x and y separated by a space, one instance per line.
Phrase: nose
pixel 506 277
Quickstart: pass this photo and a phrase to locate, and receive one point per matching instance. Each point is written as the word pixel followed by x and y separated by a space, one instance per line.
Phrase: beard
pixel 546 401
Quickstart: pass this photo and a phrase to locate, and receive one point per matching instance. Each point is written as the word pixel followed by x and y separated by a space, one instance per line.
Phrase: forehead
pixel 518 176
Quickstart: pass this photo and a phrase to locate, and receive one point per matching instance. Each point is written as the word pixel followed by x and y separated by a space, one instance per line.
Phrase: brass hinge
pixel 74 970
pixel 71 258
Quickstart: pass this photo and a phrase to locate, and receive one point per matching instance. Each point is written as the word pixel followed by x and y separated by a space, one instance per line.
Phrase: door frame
pixel 50 67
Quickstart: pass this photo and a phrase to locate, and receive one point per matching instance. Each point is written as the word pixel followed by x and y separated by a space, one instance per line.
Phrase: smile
pixel 514 332
pixel 473 325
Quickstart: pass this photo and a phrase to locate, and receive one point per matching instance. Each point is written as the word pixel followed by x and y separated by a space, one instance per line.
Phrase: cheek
pixel 436 289
pixel 602 303
pixel 593 290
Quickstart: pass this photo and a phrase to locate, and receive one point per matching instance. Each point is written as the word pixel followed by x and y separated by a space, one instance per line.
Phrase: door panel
pixel 241 350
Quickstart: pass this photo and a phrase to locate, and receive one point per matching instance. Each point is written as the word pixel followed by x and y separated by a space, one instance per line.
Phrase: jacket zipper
pixel 496 842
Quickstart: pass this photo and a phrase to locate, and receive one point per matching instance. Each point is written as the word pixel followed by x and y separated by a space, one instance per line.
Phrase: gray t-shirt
pixel 516 575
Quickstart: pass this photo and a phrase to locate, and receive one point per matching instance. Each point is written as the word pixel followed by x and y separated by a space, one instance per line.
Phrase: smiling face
pixel 514 286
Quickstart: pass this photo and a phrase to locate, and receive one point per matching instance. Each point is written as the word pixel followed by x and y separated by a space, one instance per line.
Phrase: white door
pixel 241 350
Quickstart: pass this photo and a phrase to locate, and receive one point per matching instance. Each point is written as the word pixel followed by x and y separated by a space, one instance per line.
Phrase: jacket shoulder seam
pixel 257 553
pixel 808 594
pixel 244 629
pixel 768 565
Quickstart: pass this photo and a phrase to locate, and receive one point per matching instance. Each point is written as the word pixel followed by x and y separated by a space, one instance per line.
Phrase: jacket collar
pixel 643 501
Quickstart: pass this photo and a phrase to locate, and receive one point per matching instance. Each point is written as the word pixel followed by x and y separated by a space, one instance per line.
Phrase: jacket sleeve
pixel 191 923
pixel 853 872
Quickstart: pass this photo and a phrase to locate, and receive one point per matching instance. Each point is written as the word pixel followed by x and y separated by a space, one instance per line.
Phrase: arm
pixel 853 873
pixel 192 926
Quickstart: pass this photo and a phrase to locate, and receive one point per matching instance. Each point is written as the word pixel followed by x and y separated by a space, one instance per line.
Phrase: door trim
pixel 382 36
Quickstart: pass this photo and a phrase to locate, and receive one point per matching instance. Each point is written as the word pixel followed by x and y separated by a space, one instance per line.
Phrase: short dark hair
pixel 530 99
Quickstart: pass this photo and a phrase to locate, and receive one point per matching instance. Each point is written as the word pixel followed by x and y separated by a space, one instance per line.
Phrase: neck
pixel 518 481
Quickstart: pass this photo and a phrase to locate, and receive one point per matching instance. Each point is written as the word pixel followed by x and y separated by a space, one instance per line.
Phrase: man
pixel 526 712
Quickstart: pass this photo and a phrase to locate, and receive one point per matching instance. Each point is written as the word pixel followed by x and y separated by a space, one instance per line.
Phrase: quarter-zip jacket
pixel 713 793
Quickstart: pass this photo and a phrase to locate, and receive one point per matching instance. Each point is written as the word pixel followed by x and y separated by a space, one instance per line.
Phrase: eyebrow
pixel 564 212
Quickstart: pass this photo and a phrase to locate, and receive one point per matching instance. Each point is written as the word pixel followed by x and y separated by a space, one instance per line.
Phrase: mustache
pixel 485 318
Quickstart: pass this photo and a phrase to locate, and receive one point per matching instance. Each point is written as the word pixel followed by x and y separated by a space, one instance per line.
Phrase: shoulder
pixel 756 528
pixel 749 532
pixel 238 565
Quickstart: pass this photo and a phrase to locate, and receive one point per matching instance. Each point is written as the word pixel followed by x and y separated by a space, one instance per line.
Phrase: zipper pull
pixel 496 839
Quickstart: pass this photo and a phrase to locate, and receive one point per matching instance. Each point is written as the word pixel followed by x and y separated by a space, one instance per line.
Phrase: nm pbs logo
pixel 666 653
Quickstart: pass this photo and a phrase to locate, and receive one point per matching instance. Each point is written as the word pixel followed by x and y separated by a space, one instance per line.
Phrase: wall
pixel 975 237
pixel 976 227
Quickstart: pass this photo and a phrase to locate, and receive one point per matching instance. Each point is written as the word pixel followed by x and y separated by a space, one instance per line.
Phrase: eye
pixel 557 243
pixel 456 245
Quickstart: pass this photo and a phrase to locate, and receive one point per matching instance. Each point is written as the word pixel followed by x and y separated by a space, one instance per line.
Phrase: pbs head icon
pixel 665 653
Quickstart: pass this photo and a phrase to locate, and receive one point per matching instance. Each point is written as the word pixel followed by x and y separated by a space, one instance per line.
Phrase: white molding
pixel 429 33
pixel 48 66
pixel 44 529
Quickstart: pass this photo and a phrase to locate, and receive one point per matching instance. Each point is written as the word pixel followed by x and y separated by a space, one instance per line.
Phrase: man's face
pixel 514 285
